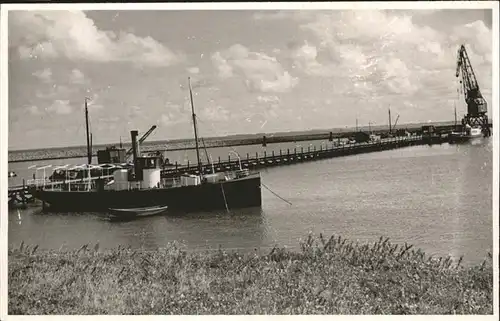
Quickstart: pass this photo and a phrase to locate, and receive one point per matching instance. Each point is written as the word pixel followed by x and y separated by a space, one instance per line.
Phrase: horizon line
pixel 230 135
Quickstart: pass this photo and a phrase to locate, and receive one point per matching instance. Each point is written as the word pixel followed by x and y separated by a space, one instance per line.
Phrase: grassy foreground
pixel 328 276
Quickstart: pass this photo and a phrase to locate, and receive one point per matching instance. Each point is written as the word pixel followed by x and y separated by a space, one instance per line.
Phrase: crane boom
pixel 476 104
pixel 395 123
pixel 142 139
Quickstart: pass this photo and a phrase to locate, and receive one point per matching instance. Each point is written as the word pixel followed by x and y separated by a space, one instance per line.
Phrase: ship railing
pixel 37 182
pixel 78 187
pixel 172 182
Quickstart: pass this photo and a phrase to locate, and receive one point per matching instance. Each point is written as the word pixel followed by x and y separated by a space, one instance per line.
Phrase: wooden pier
pixel 20 194
pixel 299 155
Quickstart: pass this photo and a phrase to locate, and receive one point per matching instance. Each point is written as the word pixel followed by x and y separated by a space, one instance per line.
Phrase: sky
pixel 251 71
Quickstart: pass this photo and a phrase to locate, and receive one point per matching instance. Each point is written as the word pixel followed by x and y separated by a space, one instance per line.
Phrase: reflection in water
pixel 19 219
pixel 473 180
pixel 242 228
pixel 438 198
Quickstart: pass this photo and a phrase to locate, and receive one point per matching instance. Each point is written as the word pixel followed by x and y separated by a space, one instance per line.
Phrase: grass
pixel 327 276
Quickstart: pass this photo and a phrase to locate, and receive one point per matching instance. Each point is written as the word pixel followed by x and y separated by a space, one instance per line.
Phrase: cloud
pixel 268 99
pixel 194 70
pixel 44 75
pixel 34 110
pixel 171 118
pixel 61 107
pixel 93 102
pixel 215 113
pixel 270 107
pixel 167 119
pixel 77 77
pixel 54 91
pixel 135 111
pixel 71 34
pixel 478 38
pixel 305 58
pixel 259 71
pixel 173 114
pixel 222 65
pixel 96 106
pixel 376 54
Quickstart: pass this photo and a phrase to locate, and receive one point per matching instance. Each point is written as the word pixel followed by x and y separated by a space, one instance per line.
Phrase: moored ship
pixel 141 185
pixel 469 134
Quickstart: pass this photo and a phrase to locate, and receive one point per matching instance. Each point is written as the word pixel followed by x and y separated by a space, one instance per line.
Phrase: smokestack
pixel 133 135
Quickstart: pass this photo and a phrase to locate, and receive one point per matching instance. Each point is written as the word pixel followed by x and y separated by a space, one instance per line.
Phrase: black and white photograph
pixel 249 158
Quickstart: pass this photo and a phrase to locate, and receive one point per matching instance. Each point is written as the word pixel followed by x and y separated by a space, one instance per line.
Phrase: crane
pixel 476 104
pixel 142 139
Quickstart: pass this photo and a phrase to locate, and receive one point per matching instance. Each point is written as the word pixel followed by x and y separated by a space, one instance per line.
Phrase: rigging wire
pixel 275 194
pixel 207 156
pixel 224 195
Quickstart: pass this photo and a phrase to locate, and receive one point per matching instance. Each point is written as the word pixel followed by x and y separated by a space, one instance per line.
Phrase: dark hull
pixel 238 193
pixel 461 139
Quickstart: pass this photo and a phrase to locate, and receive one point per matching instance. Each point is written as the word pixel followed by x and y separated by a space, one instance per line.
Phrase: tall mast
pixel 89 150
pixel 194 124
pixel 390 120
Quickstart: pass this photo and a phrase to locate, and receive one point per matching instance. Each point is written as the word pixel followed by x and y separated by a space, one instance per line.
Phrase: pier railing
pixel 295 155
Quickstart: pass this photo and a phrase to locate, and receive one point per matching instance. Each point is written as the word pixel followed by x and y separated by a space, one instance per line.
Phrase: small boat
pixel 136 212
pixel 12 174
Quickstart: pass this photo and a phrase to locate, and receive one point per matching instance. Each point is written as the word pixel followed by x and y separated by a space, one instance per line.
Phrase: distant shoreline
pixel 211 142
pixel 216 144
pixel 248 136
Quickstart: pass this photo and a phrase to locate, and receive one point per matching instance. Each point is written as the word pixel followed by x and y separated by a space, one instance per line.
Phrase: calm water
pixel 438 198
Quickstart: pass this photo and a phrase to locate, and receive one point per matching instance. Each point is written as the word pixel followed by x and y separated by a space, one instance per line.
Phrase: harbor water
pixel 438 198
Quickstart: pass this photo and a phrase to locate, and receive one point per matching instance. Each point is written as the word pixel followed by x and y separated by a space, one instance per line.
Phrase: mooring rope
pixel 224 195
pixel 275 193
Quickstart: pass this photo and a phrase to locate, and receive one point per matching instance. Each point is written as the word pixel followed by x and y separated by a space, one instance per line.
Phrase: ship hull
pixel 460 138
pixel 237 193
